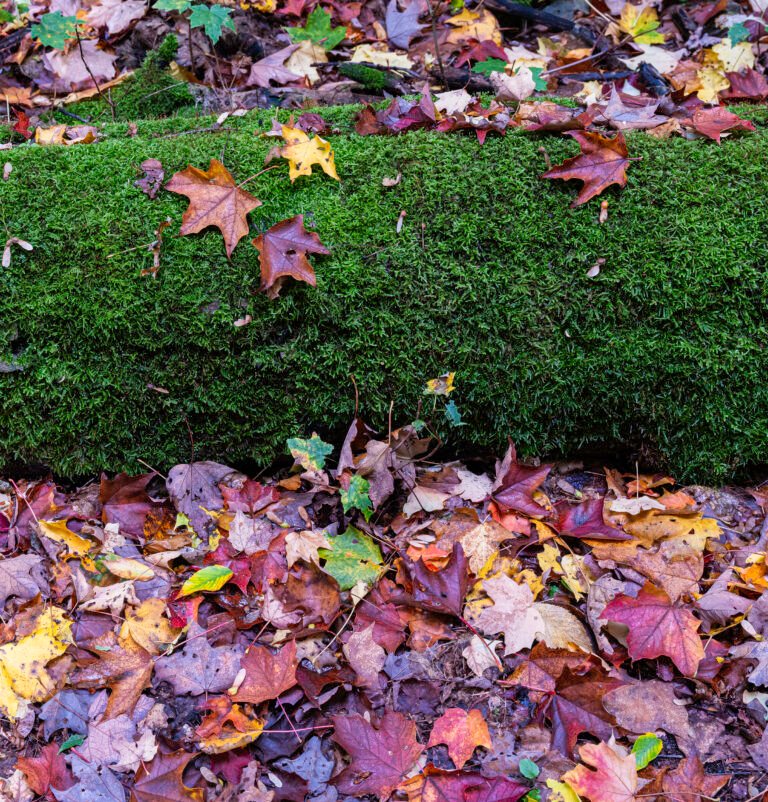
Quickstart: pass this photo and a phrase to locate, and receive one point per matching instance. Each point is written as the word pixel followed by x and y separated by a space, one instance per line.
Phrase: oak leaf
pixel 603 161
pixel 214 200
pixel 657 627
pixel 283 253
pixel 267 674
pixel 614 778
pixel 302 152
pixel 462 731
pixel 381 755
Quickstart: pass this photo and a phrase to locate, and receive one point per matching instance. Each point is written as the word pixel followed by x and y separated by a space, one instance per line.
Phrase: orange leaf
pixel 267 674
pixel 461 731
pixel 214 200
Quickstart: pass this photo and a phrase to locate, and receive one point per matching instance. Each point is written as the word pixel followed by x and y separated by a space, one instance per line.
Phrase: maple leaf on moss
pixel 603 161
pixel 657 628
pixel 310 454
pixel 302 152
pixel 356 496
pixel 381 755
pixel 318 30
pixel 214 200
pixel 353 557
pixel 283 253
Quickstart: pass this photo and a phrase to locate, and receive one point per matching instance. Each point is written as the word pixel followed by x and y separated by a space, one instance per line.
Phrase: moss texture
pixel 665 347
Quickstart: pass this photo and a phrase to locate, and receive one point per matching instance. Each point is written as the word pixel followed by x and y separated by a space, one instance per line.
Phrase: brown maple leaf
pixel 283 253
pixel 657 627
pixel 214 200
pixel 122 665
pixel 603 161
pixel 267 674
pixel 689 783
pixel 381 756
pixel 162 780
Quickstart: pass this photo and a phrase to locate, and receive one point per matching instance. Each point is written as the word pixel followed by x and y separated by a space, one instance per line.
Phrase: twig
pixel 437 44
pixel 107 100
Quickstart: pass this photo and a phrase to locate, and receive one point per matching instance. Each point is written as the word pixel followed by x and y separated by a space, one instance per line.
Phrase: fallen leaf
pixel 689 783
pixel 380 755
pixel 462 731
pixel 214 200
pixel 23 674
pixel 267 673
pixel 283 253
pixel 402 26
pixel 603 161
pixel 272 68
pixel 657 627
pixel 152 181
pixel 713 122
pixel 46 771
pixel 614 778
pixel 162 779
pixel 353 557
pixel 210 578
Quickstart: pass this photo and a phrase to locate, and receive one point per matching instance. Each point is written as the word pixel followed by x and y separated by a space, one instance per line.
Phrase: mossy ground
pixel 666 347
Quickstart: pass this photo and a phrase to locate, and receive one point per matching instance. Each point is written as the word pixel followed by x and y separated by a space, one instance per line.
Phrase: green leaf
pixel 5 16
pixel 539 83
pixel 534 795
pixel 352 558
pixel 54 29
pixel 318 30
pixel 646 749
pixel 529 769
pixel 73 740
pixel 738 33
pixel 213 19
pixel 173 5
pixel 490 65
pixel 356 497
pixel 310 454
pixel 453 414
pixel 212 577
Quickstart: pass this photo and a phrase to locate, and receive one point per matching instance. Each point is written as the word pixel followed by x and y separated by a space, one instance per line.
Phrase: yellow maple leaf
pixel 710 82
pixel 302 152
pixel 148 627
pixel 23 676
pixel 641 23
pixel 480 25
pixel 443 385
pixel 562 792
pixel 734 58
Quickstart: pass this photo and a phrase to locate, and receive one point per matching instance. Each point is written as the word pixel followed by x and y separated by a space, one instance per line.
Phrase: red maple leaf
pixel 381 756
pixel 47 770
pixel 249 497
pixel 657 627
pixel 267 674
pixel 714 121
pixel 586 520
pixel 518 485
pixel 603 161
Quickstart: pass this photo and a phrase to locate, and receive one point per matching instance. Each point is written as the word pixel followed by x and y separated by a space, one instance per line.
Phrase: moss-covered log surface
pixel 664 349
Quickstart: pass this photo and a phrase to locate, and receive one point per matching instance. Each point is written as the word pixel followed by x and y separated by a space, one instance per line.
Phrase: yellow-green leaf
pixel 212 577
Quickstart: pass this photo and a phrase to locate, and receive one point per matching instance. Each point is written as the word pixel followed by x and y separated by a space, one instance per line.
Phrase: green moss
pixel 666 347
